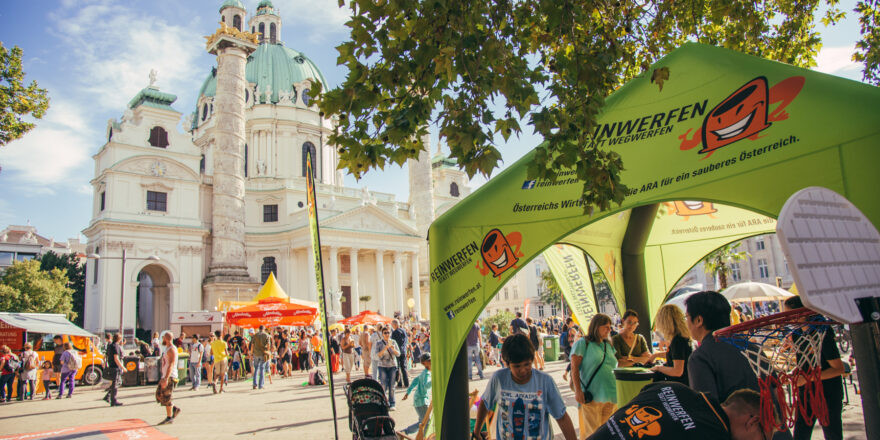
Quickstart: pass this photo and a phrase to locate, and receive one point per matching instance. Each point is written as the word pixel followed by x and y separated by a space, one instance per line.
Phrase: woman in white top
pixel 28 379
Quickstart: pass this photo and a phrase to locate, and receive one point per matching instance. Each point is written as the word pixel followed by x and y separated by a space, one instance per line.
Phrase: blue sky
pixel 93 57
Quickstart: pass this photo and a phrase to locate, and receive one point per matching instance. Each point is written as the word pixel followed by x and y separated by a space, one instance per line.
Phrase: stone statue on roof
pixel 267 92
pixel 153 76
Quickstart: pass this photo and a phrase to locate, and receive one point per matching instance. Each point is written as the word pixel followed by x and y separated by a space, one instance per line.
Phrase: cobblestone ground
pixel 284 409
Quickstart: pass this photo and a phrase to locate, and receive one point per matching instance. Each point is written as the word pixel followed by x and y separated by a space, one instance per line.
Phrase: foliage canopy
pixel 502 318
pixel 719 261
pixel 26 288
pixel 17 100
pixel 480 70
pixel 76 279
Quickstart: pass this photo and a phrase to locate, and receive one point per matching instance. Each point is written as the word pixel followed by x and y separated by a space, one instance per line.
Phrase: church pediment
pixel 369 219
pixel 157 167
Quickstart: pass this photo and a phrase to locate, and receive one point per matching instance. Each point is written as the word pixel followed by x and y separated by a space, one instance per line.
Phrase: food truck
pixel 200 323
pixel 40 330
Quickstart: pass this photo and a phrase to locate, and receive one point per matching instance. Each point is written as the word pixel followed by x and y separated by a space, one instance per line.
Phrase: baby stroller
pixel 368 411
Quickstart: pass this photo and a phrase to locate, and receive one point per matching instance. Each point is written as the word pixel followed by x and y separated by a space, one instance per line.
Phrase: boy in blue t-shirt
pixel 525 398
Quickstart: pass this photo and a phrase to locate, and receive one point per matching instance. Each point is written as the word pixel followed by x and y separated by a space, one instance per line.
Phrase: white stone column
pixel 227 231
pixel 334 269
pixel 380 280
pixel 398 283
pixel 289 275
pixel 416 288
pixel 355 292
pixel 313 287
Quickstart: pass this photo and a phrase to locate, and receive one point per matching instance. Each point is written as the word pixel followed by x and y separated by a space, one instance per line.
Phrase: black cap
pixel 425 357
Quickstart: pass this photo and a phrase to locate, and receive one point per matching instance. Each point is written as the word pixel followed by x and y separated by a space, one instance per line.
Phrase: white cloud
pixel 836 60
pixel 85 189
pixel 320 18
pixel 112 48
pixel 50 152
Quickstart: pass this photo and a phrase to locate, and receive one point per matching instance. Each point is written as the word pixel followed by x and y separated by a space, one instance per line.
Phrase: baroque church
pixel 184 220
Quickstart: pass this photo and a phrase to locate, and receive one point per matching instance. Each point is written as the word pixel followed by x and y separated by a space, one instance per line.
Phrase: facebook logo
pixel 528 184
pixel 450 314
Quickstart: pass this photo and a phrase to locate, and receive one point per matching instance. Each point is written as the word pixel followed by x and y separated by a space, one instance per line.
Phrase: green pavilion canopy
pixel 710 158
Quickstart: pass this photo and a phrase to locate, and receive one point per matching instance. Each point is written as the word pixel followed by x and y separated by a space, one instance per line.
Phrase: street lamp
pixel 122 282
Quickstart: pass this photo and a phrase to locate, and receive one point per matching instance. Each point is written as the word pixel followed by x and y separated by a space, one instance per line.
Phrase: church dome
pixel 231 3
pixel 272 65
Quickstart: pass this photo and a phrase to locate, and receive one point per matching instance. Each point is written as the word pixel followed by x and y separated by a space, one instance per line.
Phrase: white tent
pixel 53 323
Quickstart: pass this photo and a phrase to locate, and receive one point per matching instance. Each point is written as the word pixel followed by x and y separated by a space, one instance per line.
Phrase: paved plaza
pixel 285 409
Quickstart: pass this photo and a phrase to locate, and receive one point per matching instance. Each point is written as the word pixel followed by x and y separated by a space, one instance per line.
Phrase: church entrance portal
pixel 153 301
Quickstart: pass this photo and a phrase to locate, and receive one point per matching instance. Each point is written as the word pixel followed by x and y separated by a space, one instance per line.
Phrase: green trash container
pixel 631 380
pixel 551 348
pixel 182 367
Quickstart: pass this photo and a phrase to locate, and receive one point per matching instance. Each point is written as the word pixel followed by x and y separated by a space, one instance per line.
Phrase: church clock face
pixel 158 169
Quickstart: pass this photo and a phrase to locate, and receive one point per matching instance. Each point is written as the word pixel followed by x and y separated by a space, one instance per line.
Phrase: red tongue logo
pixel 744 114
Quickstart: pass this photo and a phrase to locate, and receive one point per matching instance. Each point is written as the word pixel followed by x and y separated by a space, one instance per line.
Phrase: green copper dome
pixel 265 7
pixel 274 65
pixel 231 3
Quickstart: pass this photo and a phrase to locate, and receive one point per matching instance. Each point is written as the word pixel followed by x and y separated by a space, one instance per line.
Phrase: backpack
pixel 13 364
pixel 73 362
pixel 317 378
pixel 34 362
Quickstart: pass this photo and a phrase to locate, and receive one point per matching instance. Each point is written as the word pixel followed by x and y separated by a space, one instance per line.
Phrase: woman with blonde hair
pixel 672 326
pixel 593 362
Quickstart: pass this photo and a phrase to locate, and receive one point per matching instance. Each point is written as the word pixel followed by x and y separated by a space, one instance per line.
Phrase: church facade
pixel 204 215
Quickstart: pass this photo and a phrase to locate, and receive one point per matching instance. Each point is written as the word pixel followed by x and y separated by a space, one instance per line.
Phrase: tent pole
pixel 866 349
pixel 632 256
pixel 455 409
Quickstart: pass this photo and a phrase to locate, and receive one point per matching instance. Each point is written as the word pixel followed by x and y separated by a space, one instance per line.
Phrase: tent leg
pixel 456 414
pixel 632 256
pixel 866 348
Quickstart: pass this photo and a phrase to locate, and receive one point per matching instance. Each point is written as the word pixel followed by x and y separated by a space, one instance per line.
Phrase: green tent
pixel 711 155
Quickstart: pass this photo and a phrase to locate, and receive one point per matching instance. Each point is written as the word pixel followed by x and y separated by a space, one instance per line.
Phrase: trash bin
pixel 130 374
pixel 151 369
pixel 631 380
pixel 182 367
pixel 551 348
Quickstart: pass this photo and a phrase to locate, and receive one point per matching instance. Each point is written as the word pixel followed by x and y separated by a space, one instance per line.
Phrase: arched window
pixel 253 30
pixel 262 30
pixel 305 96
pixel 202 164
pixel 268 267
pixel 158 137
pixel 236 21
pixel 273 33
pixel 245 159
pixel 453 189
pixel 308 147
pixel 247 95
pixel 204 112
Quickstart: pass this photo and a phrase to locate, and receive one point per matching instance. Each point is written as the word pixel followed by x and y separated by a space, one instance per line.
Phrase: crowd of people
pixel 702 387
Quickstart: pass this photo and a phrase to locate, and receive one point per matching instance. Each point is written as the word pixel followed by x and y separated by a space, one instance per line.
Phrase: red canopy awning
pixel 366 317
pixel 272 312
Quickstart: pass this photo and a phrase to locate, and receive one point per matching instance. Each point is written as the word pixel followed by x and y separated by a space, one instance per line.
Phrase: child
pixel 422 395
pixel 522 398
pixel 46 377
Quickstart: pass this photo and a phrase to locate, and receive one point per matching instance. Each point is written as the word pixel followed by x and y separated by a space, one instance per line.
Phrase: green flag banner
pixel 718 148
pixel 569 267
pixel 319 280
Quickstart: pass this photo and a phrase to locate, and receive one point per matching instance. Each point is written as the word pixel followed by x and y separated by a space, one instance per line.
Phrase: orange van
pixel 92 359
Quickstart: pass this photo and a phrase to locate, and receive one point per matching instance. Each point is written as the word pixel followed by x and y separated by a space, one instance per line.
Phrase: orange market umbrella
pixel 273 312
pixel 366 317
